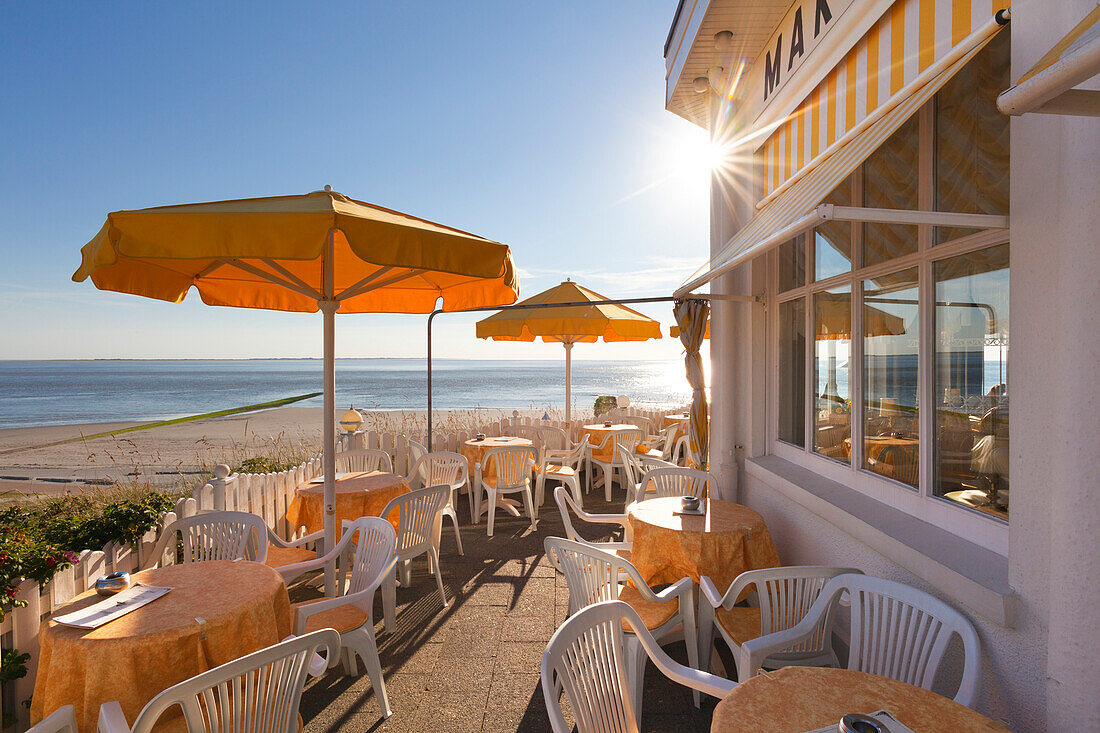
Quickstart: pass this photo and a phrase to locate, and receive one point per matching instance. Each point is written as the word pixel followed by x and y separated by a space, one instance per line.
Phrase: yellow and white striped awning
pixel 1048 86
pixel 796 206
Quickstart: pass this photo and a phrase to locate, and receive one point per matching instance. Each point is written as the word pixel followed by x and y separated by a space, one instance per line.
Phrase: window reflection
pixel 833 240
pixel 890 181
pixel 792 264
pixel 832 349
pixel 792 371
pixel 891 340
pixel 971 386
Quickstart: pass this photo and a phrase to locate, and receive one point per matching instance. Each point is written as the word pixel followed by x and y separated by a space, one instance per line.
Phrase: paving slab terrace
pixel 474 666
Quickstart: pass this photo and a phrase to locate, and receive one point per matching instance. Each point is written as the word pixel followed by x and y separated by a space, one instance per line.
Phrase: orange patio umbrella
pixel 318 251
pixel 596 318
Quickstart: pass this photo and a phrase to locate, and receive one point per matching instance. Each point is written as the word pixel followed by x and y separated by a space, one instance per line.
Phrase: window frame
pixel 980 527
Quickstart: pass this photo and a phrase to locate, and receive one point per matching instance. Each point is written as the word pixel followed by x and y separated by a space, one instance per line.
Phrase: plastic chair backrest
pixel 785 596
pixel 566 505
pixel 442 467
pixel 552 438
pixel 512 463
pixel 643 423
pixel 416 451
pixel 363 459
pixel 260 691
pixel 416 517
pixel 676 481
pixel 629 459
pixel 591 574
pixel 209 536
pixel 373 544
pixel 902 633
pixel 587 657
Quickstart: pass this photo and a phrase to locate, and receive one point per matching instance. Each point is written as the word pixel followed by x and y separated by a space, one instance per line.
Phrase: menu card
pixel 116 606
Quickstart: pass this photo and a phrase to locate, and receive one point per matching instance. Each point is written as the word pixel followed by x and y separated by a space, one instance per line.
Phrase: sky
pixel 540 125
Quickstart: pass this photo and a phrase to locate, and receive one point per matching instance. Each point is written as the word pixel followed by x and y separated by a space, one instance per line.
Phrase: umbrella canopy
pixel 596 318
pixel 318 251
pixel 834 320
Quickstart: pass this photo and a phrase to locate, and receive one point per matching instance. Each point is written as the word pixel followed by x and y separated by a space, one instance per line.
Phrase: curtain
pixel 692 317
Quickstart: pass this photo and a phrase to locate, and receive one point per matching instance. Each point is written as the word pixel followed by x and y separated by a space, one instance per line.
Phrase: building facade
pixel 903 235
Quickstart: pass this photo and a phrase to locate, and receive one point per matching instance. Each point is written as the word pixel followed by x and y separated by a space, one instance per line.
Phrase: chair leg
pixel 458 535
pixel 608 477
pixel 405 574
pixel 706 633
pixel 389 601
pixel 438 576
pixel 575 487
pixel 635 660
pixel 364 645
pixel 492 510
pixel 691 641
pixel 530 506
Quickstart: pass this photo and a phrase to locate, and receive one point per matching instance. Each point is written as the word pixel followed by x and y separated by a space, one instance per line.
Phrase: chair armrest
pixel 364 599
pixel 703 681
pixel 710 591
pixel 755 651
pixel 294 570
pixel 62 720
pixel 112 719
pixel 681 589
pixel 278 541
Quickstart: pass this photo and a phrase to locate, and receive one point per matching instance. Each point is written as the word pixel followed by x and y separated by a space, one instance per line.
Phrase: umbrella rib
pixel 355 289
pixel 253 270
pixel 360 288
pixel 286 273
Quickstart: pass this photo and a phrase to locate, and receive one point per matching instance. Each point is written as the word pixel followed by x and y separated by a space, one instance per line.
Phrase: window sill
pixel 969 573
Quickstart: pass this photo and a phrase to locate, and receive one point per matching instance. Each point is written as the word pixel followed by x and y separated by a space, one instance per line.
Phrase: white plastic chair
pixel 628 439
pixel 513 466
pixel 896 631
pixel 635 465
pixel 590 657
pixel 682 455
pixel 554 442
pixel 363 560
pixel 566 505
pixel 668 440
pixel 659 483
pixel 566 471
pixel 213 536
pixel 783 597
pixel 283 553
pixel 363 460
pixel 260 691
pixel 418 512
pixel 62 720
pixel 593 575
pixel 438 468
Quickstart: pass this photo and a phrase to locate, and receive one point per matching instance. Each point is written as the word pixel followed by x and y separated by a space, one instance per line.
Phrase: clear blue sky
pixel 540 125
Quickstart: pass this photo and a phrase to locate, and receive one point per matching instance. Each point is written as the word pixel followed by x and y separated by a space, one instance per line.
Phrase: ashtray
pixel 479 436
pixel 112 583
pixel 607 423
pixel 857 723
pixel 690 503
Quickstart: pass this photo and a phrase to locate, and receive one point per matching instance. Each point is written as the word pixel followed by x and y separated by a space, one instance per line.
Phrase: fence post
pixel 24 627
pixel 221 477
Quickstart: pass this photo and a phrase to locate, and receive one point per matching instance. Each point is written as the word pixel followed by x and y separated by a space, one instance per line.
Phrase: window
pixel 908 393
pixel 971 387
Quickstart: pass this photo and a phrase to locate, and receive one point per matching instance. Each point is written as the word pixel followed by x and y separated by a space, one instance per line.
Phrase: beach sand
pixel 185 454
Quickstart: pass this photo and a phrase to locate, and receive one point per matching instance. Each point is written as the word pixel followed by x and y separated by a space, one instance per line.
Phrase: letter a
pixel 821 14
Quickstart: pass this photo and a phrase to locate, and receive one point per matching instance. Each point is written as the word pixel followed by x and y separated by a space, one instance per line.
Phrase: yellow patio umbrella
pixel 597 318
pixel 834 320
pixel 317 251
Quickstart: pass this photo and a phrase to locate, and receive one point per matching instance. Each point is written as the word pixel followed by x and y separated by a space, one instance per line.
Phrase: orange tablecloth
pixel 597 433
pixel 474 450
pixel 670 419
pixel 244 607
pixel 798 699
pixel 357 495
pixel 724 543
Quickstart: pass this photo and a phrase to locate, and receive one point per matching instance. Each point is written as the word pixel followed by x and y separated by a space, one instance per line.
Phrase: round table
pixel 723 543
pixel 216 612
pixel 598 433
pixel 474 450
pixel 667 420
pixel 798 699
pixel 361 494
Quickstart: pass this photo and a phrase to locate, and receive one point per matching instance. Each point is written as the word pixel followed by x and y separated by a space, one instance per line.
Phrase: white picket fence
pixel 267 495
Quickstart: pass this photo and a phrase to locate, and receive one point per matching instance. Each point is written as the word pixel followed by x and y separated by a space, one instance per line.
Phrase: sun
pixel 698 155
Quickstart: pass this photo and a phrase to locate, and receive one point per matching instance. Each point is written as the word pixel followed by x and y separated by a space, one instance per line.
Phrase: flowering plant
pixel 26 556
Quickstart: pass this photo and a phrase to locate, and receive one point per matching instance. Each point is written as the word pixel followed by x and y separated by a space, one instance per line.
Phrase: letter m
pixel 771 72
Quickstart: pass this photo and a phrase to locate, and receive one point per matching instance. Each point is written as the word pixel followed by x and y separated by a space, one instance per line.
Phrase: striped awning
pixel 796 208
pixel 1048 86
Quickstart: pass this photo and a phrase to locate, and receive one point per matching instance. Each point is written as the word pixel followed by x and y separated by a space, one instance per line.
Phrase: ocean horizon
pixel 37 393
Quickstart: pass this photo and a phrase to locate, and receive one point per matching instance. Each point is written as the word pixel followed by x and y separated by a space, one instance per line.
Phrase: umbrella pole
pixel 568 378
pixel 328 307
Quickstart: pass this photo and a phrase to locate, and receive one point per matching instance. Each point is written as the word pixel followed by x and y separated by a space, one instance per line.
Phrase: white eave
pixel 690 51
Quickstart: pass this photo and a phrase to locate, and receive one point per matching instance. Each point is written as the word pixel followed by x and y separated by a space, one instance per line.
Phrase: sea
pixel 40 393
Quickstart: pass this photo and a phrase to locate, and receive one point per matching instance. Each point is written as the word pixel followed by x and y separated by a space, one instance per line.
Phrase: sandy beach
pixel 184 453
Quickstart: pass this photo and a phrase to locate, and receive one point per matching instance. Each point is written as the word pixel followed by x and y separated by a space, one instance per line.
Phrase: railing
pixel 267 495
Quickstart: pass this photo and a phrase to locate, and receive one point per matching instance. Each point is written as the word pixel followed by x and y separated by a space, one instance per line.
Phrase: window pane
pixel 792 264
pixel 971 386
pixel 891 338
pixel 832 347
pixel 972 139
pixel 890 182
pixel 792 371
pixel 833 240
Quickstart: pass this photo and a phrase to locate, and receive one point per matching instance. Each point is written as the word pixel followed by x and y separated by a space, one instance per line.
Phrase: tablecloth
pixel 363 494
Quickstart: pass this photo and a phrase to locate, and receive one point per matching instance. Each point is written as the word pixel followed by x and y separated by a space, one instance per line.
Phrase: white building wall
pixel 1042 674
